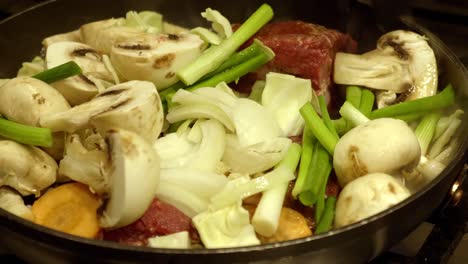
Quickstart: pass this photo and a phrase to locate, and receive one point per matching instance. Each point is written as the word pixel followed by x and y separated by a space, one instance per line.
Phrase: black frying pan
pixel 20 38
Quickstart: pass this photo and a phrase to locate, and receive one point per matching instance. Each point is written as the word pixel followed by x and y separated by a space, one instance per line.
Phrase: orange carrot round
pixel 70 208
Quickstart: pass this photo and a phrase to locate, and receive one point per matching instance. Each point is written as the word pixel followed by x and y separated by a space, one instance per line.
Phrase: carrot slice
pixel 292 225
pixel 70 208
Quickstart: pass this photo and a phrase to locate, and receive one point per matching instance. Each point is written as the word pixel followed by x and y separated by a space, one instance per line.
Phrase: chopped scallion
pixel 58 73
pixel 367 102
pixel 215 56
pixel 425 131
pixel 319 171
pixel 352 114
pixel 320 204
pixel 251 51
pixel 235 72
pixel 353 95
pixel 326 220
pixel 36 136
pixel 318 128
pixel 326 116
pixel 306 157
pixel 431 103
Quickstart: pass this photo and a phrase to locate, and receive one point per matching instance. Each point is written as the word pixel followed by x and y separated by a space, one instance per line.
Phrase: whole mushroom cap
pixel 367 196
pixel 383 145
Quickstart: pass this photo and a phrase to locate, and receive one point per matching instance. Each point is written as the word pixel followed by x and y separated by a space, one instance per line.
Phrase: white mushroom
pixel 74 35
pixel 12 202
pixel 155 58
pixel 367 196
pixel 86 164
pixel 403 63
pixel 133 178
pixel 25 100
pixel 27 169
pixel 174 29
pixel 133 106
pixel 40 99
pixel 78 89
pixel 382 145
pixel 102 35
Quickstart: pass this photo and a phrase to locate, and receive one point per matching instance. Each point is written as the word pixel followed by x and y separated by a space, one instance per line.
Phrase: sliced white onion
pixel 253 123
pixel 186 201
pixel 175 240
pixel 182 149
pixel 254 158
pixel 283 96
pixel 226 227
pixel 174 150
pixel 184 112
pixel 207 95
pixel 201 183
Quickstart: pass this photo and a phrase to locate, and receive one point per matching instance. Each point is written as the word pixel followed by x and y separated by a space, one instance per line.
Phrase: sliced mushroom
pixel 25 100
pixel 101 35
pixel 133 178
pixel 85 164
pixel 78 89
pixel 133 106
pixel 403 63
pixel 27 169
pixel 173 29
pixel 155 58
pixel 12 202
pixel 40 99
pixel 74 35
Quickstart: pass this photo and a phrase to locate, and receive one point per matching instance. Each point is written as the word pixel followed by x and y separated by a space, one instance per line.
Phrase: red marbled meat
pixel 160 219
pixel 303 49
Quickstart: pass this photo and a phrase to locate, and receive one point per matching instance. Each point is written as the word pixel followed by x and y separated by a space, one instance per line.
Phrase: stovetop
pixel 443 238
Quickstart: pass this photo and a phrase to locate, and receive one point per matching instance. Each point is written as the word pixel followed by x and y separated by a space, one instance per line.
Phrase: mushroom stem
pixel 403 63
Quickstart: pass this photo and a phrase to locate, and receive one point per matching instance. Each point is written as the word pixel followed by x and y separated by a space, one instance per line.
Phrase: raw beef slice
pixel 303 49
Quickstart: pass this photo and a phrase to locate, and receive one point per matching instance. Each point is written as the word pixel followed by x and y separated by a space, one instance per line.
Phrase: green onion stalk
pixel 426 104
pixel 58 73
pixel 251 51
pixel 326 221
pixel 29 135
pixel 215 56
